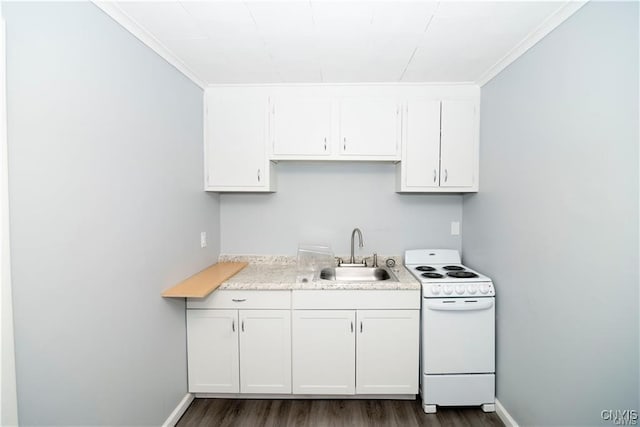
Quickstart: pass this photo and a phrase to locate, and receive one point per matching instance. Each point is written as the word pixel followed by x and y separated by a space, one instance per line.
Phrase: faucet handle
pixel 375 260
pixel 339 261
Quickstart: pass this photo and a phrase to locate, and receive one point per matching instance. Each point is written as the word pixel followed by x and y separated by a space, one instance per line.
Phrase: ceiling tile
pixel 342 15
pixel 402 17
pixel 227 24
pixel 233 41
pixel 222 13
pixel 464 39
pixel 282 19
pixel 165 20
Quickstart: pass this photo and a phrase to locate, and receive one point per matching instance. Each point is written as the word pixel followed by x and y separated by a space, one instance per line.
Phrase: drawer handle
pixel 238 299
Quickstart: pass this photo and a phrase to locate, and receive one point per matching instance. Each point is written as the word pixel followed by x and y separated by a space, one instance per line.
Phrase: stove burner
pixel 432 275
pixel 453 268
pixel 425 268
pixel 462 274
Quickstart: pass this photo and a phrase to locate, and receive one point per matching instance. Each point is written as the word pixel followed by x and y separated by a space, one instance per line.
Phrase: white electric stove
pixel 457 331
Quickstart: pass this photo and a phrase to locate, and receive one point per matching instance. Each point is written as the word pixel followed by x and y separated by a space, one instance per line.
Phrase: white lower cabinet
pixel 387 351
pixel 212 351
pixel 355 351
pixel 324 352
pixel 239 351
pixel 265 351
pixel 309 343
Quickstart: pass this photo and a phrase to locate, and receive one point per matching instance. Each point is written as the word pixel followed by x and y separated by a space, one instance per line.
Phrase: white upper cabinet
pixel 430 131
pixel 458 144
pixel 440 146
pixel 300 126
pixel 421 151
pixel 370 127
pixel 333 123
pixel 235 141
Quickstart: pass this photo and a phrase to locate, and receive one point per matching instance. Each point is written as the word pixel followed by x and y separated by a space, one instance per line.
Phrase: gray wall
pixel 323 202
pixel 556 221
pixel 105 145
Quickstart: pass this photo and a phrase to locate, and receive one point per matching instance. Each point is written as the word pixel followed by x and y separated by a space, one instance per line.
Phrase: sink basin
pixel 357 274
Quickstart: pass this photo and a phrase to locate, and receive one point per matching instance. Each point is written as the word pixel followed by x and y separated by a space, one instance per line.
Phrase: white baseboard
pixel 174 417
pixel 304 396
pixel 506 418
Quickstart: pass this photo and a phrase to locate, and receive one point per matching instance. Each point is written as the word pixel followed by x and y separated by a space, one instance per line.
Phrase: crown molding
pixel 131 25
pixel 549 24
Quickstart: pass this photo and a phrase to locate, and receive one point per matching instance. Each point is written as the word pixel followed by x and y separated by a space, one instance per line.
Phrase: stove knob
pixel 472 289
pixel 460 289
pixel 484 289
pixel 448 289
pixel 435 289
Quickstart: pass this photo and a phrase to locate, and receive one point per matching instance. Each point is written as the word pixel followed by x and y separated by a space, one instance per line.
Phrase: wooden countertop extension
pixel 203 283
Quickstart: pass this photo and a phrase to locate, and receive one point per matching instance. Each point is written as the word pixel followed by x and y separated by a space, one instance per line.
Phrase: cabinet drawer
pixel 356 299
pixel 243 300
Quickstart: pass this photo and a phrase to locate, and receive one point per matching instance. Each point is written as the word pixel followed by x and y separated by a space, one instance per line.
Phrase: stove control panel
pixel 459 290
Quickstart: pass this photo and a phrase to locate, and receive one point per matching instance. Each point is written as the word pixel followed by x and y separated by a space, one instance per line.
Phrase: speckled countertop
pixel 281 273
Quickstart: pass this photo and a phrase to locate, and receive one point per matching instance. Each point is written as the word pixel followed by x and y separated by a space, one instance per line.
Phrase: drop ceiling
pixel 227 42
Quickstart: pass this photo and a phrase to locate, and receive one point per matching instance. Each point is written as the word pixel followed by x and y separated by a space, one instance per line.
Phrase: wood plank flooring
pixel 329 413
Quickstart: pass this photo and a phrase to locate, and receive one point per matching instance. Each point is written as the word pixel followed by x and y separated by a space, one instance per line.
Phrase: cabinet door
pixel 421 150
pixel 236 136
pixel 370 126
pixel 212 351
pixel 301 126
pixel 265 351
pixel 388 351
pixel 458 143
pixel 323 352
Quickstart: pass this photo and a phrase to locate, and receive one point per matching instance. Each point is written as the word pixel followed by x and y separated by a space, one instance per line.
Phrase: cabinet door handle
pixel 351 327
pixel 258 175
pixel 242 326
pixel 233 325
pixel 434 175
pixel 360 326
pixel 325 143
pixel 238 299
pixel 344 143
pixel 446 175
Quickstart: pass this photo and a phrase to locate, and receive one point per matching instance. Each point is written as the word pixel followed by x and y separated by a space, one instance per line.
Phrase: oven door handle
pixel 461 304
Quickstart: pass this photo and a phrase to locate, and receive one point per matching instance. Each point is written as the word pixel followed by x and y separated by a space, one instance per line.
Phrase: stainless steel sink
pixel 357 274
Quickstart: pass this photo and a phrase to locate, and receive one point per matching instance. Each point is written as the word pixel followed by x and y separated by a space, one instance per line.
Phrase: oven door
pixel 458 335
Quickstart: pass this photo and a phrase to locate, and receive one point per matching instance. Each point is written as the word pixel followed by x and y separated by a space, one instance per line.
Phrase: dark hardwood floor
pixel 329 413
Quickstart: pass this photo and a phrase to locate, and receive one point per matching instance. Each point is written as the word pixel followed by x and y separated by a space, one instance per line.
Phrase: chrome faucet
pixel 352 260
